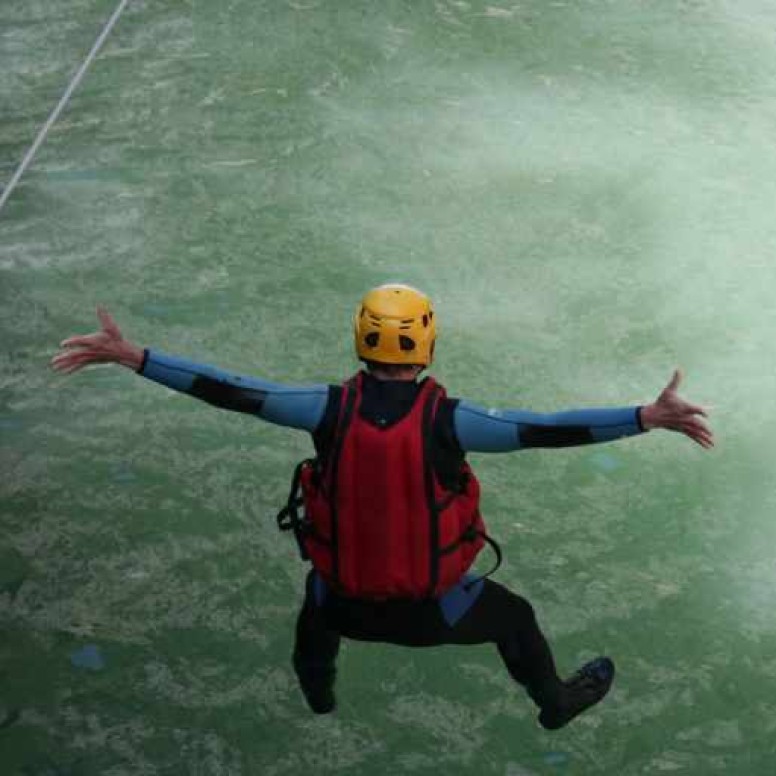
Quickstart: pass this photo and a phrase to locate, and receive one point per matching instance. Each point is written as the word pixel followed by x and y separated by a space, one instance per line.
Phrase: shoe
pixel 317 684
pixel 584 689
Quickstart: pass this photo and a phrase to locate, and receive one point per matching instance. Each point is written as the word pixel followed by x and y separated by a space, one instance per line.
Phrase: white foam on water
pixel 232 163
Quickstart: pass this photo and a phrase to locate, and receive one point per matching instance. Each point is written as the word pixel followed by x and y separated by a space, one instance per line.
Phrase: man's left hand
pixel 672 412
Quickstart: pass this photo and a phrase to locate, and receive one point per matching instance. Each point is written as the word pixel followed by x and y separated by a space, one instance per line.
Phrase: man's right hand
pixel 103 347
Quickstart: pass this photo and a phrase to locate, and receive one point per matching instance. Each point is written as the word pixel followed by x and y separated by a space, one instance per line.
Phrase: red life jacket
pixel 378 524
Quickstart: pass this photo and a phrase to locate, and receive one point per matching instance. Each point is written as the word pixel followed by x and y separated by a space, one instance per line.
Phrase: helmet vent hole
pixel 372 339
pixel 425 321
pixel 406 343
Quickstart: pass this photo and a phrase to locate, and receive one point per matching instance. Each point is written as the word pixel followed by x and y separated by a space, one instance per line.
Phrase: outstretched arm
pixel 488 430
pixel 299 407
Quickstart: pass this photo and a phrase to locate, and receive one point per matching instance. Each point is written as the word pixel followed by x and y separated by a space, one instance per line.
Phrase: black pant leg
pixel 507 619
pixel 317 643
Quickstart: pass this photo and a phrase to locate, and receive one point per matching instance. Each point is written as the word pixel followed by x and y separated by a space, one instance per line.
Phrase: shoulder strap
pixel 351 391
pixel 289 518
pixel 429 411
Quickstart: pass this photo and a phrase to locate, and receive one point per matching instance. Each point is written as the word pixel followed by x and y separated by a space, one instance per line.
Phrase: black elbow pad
pixel 553 436
pixel 226 396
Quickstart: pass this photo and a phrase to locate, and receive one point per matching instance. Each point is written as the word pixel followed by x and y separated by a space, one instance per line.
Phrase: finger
pixel 68 368
pixel 699 434
pixel 61 358
pixel 695 409
pixel 80 340
pixel 701 439
pixel 81 359
pixel 695 422
pixel 72 355
pixel 683 410
pixel 697 427
pixel 62 365
pixel 106 319
pixel 65 360
pixel 675 380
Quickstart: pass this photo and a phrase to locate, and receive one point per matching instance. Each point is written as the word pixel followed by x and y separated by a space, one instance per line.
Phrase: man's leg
pixel 508 620
pixel 315 652
pixel 501 616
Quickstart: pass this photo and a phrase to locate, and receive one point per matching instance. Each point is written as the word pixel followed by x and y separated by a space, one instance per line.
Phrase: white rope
pixel 6 193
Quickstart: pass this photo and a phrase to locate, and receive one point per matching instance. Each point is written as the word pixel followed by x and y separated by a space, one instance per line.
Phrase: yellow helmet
pixel 394 324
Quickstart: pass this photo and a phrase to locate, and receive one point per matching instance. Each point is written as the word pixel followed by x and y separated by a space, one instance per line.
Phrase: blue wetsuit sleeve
pixel 498 431
pixel 294 406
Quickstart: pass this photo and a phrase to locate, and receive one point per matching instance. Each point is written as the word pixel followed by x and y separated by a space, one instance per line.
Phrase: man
pixel 391 517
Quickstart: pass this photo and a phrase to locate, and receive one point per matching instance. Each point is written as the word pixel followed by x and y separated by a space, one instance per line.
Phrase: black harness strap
pixel 469 535
pixel 499 557
pixel 428 481
pixel 331 476
pixel 288 518
pixel 435 508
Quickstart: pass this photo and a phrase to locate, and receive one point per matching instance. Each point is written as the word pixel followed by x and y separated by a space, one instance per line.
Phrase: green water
pixel 585 188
